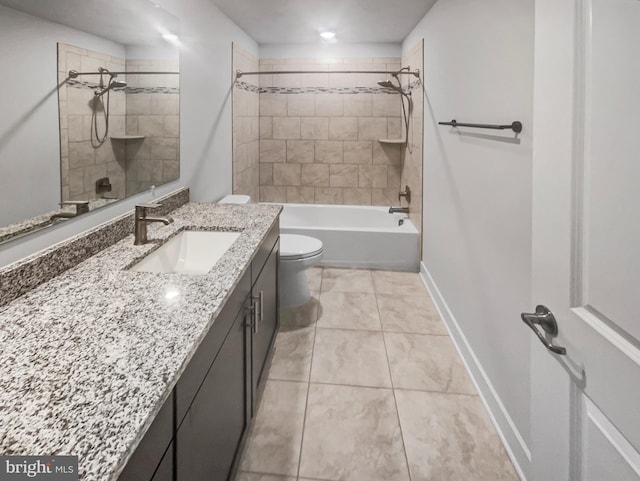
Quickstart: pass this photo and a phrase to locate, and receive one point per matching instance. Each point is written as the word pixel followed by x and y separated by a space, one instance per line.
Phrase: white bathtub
pixel 356 236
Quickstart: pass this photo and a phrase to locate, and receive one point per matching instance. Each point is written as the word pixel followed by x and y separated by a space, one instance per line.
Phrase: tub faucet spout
pixel 400 210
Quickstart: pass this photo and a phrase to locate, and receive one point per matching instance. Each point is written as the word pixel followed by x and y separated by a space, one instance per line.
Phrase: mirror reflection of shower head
pixel 117 84
pixel 113 84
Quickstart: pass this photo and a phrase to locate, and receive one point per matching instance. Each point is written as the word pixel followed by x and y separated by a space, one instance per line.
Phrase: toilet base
pixel 294 287
pixel 294 290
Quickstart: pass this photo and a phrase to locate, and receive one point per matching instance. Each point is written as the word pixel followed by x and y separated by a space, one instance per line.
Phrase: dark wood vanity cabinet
pixel 265 295
pixel 199 433
pixel 153 458
pixel 209 436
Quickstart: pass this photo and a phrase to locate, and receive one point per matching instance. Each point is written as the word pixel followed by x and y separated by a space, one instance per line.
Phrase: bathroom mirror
pixel 74 142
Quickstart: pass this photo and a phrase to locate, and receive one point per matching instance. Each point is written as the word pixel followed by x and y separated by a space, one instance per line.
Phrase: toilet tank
pixel 235 199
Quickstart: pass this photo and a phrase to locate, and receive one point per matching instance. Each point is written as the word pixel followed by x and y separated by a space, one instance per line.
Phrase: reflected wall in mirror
pixel 73 143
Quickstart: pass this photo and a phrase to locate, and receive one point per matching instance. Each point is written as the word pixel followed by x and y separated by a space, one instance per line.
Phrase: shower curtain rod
pixel 74 74
pixel 240 73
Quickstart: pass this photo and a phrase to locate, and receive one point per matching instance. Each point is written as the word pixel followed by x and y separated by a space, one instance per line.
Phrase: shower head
pixel 113 84
pixel 387 84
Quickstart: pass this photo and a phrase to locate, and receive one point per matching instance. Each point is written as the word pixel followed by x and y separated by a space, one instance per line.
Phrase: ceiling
pixel 128 22
pixel 301 21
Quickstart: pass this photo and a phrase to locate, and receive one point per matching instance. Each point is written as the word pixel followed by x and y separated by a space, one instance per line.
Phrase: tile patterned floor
pixel 366 385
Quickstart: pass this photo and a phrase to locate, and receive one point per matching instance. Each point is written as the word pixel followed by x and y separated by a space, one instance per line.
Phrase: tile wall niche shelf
pixel 127 137
pixel 391 141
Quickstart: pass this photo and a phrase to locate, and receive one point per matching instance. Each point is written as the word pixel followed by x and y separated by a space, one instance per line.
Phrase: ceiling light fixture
pixel 170 37
pixel 327 35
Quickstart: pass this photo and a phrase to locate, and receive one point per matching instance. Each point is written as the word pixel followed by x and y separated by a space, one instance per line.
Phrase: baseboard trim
pixel 498 414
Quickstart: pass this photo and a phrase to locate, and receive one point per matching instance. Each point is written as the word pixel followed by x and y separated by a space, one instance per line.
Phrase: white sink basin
pixel 189 252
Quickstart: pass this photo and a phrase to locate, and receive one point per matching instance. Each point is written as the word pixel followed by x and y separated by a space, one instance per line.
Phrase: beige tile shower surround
pixel 246 169
pixel 81 163
pixel 412 171
pixel 155 115
pixel 132 165
pixel 322 147
pixel 365 384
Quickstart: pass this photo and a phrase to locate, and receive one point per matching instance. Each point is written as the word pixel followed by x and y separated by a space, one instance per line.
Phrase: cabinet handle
pixel 261 297
pixel 252 318
pixel 256 302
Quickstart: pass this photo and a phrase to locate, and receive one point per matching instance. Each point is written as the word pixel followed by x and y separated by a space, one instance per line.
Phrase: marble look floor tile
pixel 262 477
pixel 292 354
pixel 305 315
pixel 398 283
pixel 350 357
pixel 352 434
pixel 273 445
pixel 409 314
pixel 349 310
pixel 424 362
pixel 314 278
pixel 448 437
pixel 346 280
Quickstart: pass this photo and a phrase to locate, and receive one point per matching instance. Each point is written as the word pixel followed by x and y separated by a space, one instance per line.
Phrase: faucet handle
pixel 82 206
pixel 405 193
pixel 149 205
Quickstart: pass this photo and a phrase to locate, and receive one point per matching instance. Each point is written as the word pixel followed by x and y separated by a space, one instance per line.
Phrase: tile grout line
pixel 306 404
pixel 397 331
pixel 365 386
pixel 395 400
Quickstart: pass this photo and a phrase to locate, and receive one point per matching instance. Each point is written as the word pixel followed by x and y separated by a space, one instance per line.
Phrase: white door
pixel 586 241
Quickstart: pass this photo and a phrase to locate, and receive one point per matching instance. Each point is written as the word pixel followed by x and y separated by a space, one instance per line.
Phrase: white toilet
pixel 297 254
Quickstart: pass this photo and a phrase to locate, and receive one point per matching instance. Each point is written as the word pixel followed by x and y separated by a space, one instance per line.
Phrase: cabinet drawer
pixel 264 250
pixel 149 453
pixel 194 374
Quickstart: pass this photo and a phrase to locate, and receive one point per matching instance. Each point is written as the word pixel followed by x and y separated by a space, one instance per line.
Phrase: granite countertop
pixel 89 357
pixel 44 220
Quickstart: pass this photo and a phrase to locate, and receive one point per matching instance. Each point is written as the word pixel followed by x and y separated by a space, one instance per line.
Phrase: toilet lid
pixel 293 246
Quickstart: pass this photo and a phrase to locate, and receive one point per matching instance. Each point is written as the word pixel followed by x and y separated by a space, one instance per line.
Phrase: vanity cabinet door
pixel 154 453
pixel 210 434
pixel 165 469
pixel 266 304
pixel 197 369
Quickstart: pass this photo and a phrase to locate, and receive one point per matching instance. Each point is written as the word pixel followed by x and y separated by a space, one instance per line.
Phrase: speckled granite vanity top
pixel 88 358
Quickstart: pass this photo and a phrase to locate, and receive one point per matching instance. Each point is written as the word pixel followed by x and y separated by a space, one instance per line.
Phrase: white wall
pixel 206 81
pixel 205 120
pixel 165 52
pixel 478 67
pixel 29 136
pixel 330 50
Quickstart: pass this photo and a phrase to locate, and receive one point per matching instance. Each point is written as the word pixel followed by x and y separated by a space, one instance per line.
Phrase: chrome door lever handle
pixel 544 318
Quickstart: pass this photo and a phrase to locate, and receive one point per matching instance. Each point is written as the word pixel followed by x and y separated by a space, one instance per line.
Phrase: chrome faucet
pixel 400 210
pixel 82 207
pixel 141 220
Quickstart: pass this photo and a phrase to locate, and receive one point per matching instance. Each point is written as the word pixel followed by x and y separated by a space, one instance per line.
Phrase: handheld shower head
pixel 113 84
pixel 117 84
pixel 386 84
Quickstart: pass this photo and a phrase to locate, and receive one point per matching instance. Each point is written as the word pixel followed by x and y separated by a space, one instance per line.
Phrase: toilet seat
pixel 294 247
